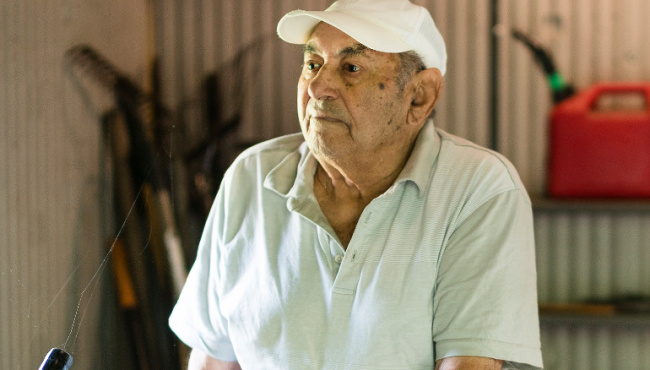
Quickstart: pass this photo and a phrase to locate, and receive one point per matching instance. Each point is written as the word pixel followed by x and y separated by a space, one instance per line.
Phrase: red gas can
pixel 600 153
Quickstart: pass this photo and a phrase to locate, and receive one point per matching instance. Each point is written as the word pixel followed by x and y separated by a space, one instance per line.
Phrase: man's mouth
pixel 326 115
pixel 326 112
pixel 325 121
pixel 326 118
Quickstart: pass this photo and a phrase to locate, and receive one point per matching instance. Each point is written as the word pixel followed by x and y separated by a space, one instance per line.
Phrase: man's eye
pixel 312 65
pixel 352 68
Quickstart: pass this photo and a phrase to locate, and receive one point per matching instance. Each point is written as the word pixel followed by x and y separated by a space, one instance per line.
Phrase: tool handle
pixel 56 359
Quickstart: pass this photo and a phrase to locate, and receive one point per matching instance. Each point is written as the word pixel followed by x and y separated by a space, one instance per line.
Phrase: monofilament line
pixel 101 266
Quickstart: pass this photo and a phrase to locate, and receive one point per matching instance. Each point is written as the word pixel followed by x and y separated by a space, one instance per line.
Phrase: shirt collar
pixel 293 177
pixel 425 153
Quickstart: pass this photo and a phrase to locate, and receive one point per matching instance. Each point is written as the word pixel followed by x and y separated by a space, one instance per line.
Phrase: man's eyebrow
pixel 308 49
pixel 356 49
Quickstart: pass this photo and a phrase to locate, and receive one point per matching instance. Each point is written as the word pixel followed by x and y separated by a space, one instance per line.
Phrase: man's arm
pixel 468 363
pixel 202 361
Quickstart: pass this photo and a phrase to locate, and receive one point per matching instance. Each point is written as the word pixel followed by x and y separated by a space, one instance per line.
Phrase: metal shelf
pixel 586 315
pixel 595 314
pixel 629 321
pixel 640 205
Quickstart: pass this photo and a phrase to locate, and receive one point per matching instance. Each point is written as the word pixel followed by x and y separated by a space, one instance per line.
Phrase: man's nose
pixel 325 84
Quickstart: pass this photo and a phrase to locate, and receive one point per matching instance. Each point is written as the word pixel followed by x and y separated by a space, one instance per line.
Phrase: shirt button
pixel 338 258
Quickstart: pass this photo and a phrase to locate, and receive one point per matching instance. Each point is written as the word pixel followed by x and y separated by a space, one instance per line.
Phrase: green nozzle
pixel 556 81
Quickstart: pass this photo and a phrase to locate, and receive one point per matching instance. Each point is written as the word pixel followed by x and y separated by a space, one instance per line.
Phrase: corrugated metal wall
pixel 51 168
pixel 581 255
pixel 52 228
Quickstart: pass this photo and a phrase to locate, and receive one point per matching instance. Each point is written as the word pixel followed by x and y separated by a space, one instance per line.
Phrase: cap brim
pixel 297 26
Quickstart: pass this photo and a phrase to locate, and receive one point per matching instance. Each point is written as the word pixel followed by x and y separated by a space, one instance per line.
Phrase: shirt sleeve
pixel 485 303
pixel 196 318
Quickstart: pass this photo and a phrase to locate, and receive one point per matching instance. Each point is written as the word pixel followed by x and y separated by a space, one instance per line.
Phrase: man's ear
pixel 427 90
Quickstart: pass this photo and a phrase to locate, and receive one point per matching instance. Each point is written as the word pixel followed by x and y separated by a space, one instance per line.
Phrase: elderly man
pixel 373 240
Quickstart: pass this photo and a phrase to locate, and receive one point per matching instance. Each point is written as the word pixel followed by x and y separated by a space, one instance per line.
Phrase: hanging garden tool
pixel 156 260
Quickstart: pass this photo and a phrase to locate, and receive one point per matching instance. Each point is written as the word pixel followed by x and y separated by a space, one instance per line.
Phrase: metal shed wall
pixel 50 183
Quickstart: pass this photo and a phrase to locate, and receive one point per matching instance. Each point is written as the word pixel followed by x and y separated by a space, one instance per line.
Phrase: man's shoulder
pixel 473 172
pixel 474 159
pixel 279 146
pixel 266 155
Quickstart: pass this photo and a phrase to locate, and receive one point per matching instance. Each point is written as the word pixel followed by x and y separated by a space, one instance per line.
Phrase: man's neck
pixel 345 185
pixel 362 177
pixel 343 192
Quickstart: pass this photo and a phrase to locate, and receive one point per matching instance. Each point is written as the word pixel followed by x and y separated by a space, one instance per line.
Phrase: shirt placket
pixel 332 249
pixel 347 279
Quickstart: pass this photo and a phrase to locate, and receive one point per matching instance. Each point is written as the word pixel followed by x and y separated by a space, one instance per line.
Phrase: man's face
pixel 349 102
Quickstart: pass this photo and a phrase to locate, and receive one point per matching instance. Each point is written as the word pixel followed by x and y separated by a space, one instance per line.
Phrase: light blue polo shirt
pixel 442 264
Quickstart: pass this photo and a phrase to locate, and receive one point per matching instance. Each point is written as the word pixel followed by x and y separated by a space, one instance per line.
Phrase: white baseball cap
pixel 391 26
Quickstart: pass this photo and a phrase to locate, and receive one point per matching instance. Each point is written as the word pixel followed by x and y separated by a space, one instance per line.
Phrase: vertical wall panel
pixel 463 108
pixel 626 265
pixel 603 41
pixel 644 60
pixel 581 356
pixel 540 101
pixel 520 71
pixel 439 12
pixel 594 348
pixel 561 227
pixel 644 256
pixel 583 70
pixel 478 123
pixel 544 256
pixel 602 256
pixel 580 250
pixel 459 76
pixel 267 89
pixel 602 343
pixel 4 178
pixel 210 26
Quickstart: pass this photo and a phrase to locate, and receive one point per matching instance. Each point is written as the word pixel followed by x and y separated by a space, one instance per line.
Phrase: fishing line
pixel 101 268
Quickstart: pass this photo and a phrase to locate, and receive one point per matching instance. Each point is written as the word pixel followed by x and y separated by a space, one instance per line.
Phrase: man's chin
pixel 327 147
